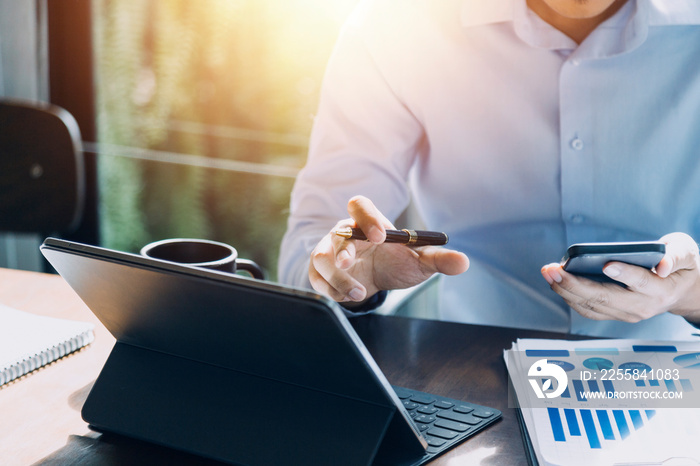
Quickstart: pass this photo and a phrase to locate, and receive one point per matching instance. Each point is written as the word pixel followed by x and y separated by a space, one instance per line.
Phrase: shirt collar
pixel 661 12
pixel 673 12
pixel 623 32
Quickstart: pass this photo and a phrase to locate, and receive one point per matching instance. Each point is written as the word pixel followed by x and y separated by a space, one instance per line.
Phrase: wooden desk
pixel 40 413
pixel 41 410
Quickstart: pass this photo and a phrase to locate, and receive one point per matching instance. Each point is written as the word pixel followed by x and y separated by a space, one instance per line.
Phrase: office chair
pixel 42 181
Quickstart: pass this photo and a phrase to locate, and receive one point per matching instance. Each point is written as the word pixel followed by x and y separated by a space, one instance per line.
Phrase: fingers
pixel 681 253
pixel 334 257
pixel 362 269
pixel 606 301
pixel 343 288
pixel 349 270
pixel 327 271
pixel 645 294
pixel 369 219
pixel 345 252
pixel 550 272
pixel 600 301
pixel 635 278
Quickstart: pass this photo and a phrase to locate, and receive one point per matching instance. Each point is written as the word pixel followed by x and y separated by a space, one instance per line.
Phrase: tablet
pixel 237 369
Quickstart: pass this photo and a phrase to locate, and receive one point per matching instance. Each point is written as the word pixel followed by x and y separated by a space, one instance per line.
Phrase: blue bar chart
pixel 611 408
pixel 613 424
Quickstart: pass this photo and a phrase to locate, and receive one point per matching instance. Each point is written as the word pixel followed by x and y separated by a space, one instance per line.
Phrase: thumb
pixel 681 253
pixel 445 261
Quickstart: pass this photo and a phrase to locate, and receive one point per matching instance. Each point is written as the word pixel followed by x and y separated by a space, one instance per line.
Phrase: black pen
pixel 407 237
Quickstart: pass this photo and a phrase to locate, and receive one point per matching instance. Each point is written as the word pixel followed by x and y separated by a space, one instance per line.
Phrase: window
pixel 204 110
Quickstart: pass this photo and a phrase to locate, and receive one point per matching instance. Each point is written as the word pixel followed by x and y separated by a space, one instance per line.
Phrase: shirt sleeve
pixel 364 141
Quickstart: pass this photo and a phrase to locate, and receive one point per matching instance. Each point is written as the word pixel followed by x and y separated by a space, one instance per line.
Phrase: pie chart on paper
pixel 598 364
pixel 688 361
pixel 631 366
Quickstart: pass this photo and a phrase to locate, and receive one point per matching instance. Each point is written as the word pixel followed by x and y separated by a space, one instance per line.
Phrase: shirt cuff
pixel 371 304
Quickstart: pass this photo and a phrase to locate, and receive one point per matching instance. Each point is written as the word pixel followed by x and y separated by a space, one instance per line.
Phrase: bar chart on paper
pixel 623 402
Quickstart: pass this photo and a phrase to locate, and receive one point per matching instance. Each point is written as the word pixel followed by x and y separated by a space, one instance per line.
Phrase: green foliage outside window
pixel 233 80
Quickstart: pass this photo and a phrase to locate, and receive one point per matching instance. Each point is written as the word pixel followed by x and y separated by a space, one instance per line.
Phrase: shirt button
pixel 577 218
pixel 575 62
pixel 576 144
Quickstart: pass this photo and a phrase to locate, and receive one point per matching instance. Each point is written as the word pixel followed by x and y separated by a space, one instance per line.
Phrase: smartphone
pixel 588 259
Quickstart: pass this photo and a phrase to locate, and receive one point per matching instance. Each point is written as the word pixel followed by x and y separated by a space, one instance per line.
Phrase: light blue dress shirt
pixel 513 140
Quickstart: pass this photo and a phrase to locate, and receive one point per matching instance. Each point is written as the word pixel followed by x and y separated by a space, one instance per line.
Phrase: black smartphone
pixel 588 259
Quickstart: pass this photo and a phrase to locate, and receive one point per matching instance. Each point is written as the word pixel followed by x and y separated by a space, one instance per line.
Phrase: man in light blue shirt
pixel 521 127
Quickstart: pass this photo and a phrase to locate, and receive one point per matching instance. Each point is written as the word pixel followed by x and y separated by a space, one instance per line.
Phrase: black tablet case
pixel 231 368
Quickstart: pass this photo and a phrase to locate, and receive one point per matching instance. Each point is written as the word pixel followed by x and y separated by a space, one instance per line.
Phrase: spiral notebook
pixel 29 341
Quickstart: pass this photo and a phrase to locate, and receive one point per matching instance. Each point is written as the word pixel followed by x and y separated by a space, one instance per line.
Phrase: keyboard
pixel 444 422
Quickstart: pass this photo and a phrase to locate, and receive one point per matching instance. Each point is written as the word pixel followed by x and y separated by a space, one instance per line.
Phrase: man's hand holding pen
pixel 353 271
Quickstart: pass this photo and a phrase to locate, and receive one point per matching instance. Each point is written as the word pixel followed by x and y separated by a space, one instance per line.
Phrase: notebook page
pixel 29 341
